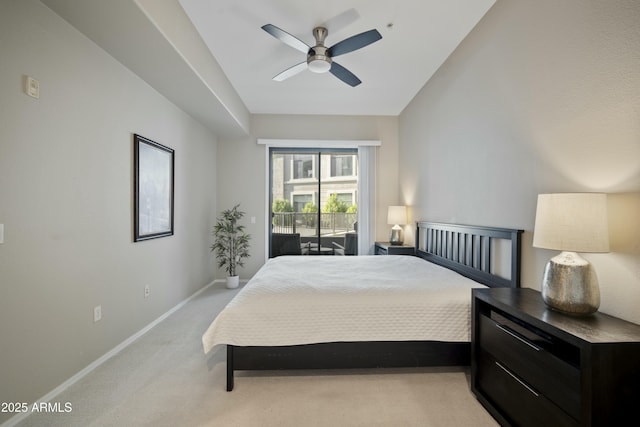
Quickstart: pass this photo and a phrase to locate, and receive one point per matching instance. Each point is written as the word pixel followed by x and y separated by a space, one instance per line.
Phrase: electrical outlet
pixel 147 291
pixel 97 313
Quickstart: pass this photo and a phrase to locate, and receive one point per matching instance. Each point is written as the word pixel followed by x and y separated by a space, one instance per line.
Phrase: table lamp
pixel 571 223
pixel 396 216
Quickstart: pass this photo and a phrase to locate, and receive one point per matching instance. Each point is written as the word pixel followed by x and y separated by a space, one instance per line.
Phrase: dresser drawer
pixel 381 251
pixel 539 360
pixel 523 404
pixel 383 248
pixel 583 367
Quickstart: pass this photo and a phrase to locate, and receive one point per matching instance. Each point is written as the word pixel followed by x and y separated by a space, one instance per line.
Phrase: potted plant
pixel 231 243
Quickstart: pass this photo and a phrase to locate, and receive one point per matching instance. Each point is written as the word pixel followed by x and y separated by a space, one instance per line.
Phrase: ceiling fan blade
pixel 286 38
pixel 291 71
pixel 354 43
pixel 345 75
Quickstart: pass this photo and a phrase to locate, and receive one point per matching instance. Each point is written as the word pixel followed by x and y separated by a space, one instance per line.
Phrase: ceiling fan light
pixel 319 66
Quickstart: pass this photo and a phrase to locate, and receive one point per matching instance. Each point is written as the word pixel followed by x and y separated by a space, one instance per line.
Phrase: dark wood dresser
pixel 532 366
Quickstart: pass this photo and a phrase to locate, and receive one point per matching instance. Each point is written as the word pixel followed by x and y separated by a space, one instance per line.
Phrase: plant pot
pixel 233 281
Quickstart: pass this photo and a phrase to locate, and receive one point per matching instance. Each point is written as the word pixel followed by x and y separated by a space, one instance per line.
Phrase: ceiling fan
pixel 320 57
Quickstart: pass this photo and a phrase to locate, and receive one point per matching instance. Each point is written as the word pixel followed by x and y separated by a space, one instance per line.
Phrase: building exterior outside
pixel 301 180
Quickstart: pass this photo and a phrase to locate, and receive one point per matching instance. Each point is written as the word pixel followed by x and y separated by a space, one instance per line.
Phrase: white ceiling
pixel 417 37
pixel 213 60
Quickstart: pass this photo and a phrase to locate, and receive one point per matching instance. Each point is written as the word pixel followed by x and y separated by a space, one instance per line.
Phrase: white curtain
pixel 366 199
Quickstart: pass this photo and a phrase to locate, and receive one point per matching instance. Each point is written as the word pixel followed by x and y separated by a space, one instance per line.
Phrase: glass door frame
pixel 317 176
pixel 367 161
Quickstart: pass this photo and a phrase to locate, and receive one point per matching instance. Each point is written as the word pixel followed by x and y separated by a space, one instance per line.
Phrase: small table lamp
pixel 571 222
pixel 396 216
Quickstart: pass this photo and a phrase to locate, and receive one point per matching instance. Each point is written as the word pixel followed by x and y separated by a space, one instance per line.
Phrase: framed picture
pixel 153 189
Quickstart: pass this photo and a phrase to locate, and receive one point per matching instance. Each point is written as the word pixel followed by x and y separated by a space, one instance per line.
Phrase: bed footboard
pixel 347 355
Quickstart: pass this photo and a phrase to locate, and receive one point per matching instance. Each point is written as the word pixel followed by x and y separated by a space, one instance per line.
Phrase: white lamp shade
pixel 574 222
pixel 397 215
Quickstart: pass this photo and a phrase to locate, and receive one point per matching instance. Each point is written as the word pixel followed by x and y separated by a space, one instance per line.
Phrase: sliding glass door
pixel 313 201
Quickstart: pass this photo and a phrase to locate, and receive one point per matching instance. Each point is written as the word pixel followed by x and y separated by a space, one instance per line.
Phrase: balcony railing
pixel 307 223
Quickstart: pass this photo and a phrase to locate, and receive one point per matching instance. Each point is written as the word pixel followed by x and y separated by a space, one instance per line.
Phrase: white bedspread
pixel 312 299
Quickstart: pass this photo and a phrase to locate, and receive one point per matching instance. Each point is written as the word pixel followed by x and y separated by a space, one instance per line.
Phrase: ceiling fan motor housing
pixel 318 59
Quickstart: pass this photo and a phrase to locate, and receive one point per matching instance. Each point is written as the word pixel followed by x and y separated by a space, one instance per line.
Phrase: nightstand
pixel 386 248
pixel 531 366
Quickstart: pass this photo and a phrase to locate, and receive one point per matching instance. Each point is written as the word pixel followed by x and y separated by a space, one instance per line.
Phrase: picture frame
pixel 154 166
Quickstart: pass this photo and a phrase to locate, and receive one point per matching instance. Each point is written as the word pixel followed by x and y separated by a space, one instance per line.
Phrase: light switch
pixel 32 87
pixel 1 233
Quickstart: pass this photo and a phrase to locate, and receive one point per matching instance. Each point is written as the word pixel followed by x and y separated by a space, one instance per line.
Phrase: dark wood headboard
pixel 469 250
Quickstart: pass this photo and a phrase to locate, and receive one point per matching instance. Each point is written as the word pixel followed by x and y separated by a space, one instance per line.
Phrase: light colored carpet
pixel 164 379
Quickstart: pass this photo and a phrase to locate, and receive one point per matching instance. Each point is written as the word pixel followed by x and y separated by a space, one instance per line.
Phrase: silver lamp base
pixel 570 285
pixel 396 236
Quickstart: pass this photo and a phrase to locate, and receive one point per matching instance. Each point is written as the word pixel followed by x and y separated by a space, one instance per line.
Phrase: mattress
pixel 295 300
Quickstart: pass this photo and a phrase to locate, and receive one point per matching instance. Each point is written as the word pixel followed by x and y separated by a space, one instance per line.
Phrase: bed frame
pixel 465 249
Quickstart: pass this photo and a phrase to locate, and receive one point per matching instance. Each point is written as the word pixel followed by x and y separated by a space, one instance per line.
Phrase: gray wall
pixel 542 96
pixel 66 204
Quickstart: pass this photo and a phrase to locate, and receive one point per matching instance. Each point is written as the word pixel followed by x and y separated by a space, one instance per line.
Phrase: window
pixel 302 166
pixel 307 202
pixel 300 201
pixel 346 198
pixel 342 165
pixel 280 177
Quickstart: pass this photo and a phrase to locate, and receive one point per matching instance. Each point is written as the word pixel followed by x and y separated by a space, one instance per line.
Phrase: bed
pixel 367 311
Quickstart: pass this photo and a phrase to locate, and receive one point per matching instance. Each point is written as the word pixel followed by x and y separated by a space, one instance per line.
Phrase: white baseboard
pixel 93 365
